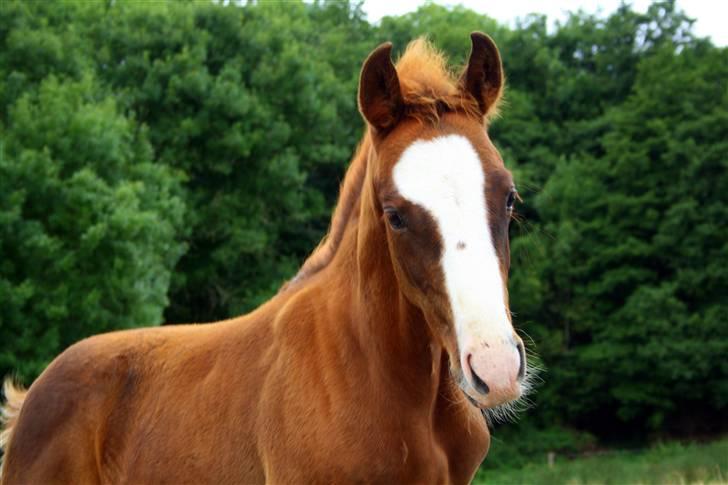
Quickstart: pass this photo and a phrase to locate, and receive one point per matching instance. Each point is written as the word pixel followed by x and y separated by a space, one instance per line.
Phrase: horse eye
pixel 511 200
pixel 394 219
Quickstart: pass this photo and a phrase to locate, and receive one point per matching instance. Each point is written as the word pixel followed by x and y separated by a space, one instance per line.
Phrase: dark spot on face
pixel 461 245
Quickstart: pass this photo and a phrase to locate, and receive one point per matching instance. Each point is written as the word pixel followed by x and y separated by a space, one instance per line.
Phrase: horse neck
pixel 391 331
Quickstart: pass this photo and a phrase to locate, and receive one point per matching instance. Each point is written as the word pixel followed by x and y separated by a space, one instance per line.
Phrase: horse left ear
pixel 482 78
pixel 380 97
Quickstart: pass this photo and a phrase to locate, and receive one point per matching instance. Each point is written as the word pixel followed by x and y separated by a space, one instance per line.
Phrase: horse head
pixel 445 200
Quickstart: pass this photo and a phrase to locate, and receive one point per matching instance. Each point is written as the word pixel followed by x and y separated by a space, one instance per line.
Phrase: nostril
pixel 522 355
pixel 478 383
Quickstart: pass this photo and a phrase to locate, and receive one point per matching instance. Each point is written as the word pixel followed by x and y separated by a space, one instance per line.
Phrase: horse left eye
pixel 511 200
pixel 394 219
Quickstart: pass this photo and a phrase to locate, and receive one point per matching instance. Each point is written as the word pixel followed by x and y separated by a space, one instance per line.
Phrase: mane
pixel 429 89
pixel 349 193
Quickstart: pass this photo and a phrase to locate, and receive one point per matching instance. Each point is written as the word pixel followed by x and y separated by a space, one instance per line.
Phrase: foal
pixel 373 364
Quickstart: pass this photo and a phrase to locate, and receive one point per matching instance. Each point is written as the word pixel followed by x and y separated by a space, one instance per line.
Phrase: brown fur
pixel 345 376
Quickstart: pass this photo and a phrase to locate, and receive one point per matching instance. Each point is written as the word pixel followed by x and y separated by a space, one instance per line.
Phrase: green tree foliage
pixel 240 102
pixel 89 225
pixel 177 160
pixel 645 305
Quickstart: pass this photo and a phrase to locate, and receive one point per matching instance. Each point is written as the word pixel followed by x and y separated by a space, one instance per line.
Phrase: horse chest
pixel 464 436
pixel 353 446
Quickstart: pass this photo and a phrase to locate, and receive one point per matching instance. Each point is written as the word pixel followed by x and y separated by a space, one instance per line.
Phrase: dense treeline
pixel 177 161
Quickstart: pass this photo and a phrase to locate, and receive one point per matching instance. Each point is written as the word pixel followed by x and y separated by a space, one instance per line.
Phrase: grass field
pixel 665 464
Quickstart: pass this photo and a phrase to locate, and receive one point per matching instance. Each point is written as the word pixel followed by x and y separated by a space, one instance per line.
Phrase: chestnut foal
pixel 373 364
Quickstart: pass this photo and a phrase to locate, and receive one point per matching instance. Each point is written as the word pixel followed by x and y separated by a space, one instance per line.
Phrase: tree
pixel 240 100
pixel 638 270
pixel 89 228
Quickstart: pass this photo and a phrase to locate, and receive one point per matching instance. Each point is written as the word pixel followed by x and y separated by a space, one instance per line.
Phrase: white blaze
pixel 445 176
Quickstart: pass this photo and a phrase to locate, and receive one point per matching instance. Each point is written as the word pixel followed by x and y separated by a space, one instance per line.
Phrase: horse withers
pixel 374 364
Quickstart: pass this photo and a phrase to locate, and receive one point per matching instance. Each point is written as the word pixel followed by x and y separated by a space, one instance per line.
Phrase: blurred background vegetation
pixel 177 161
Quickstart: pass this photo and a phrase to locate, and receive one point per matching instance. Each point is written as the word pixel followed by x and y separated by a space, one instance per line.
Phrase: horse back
pixel 122 407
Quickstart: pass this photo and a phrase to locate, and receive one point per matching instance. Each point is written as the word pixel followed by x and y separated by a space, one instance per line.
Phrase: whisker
pixel 511 411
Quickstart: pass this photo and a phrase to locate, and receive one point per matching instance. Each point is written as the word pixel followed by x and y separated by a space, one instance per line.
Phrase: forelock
pixel 428 87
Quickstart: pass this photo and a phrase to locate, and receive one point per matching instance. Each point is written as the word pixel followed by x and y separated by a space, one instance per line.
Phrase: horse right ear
pixel 380 98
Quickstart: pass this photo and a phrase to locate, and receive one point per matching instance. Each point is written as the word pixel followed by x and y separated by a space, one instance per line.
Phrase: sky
pixel 710 15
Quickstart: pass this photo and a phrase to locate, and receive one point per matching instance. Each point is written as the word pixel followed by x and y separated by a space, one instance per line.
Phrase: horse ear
pixel 482 78
pixel 380 98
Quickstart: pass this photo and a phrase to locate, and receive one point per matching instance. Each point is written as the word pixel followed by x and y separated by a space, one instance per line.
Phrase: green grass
pixel 664 464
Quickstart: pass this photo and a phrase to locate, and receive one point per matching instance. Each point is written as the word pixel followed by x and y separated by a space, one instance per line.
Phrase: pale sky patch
pixel 710 15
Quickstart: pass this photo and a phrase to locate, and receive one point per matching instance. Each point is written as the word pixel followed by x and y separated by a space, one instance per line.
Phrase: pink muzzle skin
pixel 494 370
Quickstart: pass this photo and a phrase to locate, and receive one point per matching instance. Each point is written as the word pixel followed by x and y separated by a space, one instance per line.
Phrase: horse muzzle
pixel 493 371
